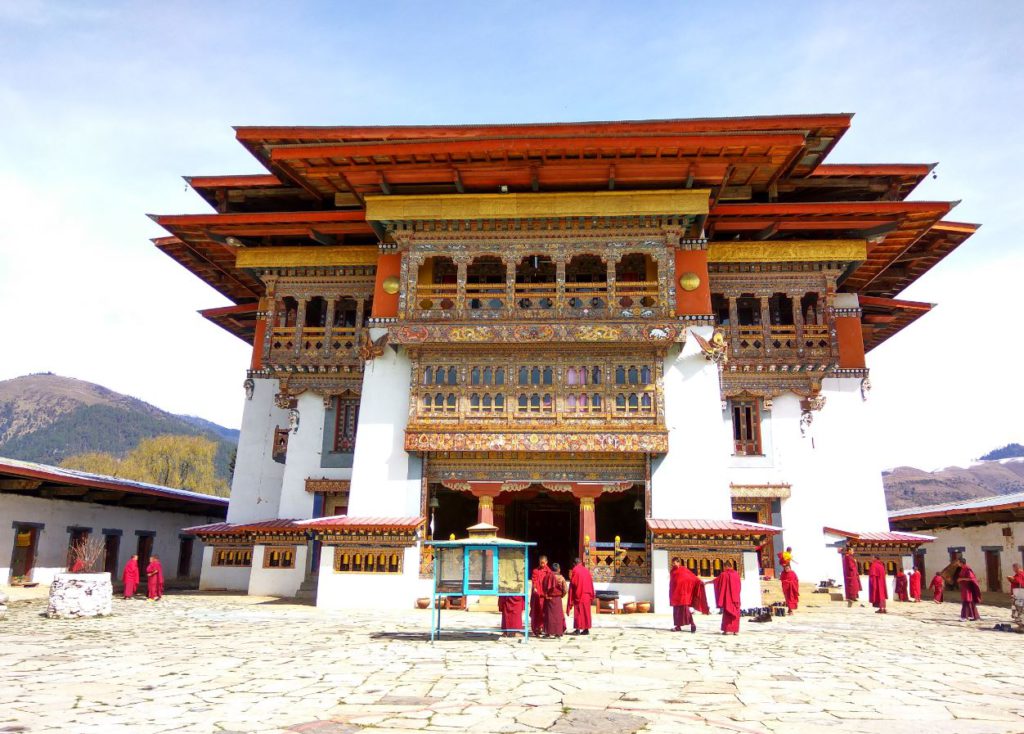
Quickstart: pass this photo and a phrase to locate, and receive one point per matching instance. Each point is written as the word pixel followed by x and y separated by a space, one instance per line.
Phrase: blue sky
pixel 106 105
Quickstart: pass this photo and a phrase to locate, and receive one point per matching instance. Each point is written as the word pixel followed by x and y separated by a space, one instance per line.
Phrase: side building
pixel 623 341
pixel 48 510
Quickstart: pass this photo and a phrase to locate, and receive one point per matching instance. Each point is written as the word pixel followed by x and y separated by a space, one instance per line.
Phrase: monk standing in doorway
pixel 130 576
pixel 727 598
pixel 685 590
pixel 970 593
pixel 537 579
pixel 581 597
pixel 154 579
pixel 877 590
pixel 851 577
pixel 555 588
pixel 790 588
pixel 915 585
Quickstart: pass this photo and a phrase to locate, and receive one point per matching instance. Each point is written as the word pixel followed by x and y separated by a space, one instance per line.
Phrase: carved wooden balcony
pixel 313 346
pixel 780 342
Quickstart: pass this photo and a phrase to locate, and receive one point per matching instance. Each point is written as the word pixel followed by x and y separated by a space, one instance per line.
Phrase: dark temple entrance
pixel 551 520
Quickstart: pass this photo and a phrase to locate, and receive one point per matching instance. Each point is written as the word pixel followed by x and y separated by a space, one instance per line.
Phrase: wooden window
pixel 280 447
pixel 346 421
pixel 746 427
pixel 279 557
pixel 232 557
pixel 368 560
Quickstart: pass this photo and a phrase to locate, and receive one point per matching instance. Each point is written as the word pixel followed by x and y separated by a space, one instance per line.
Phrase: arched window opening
pixel 748 310
pixel 288 312
pixel 720 307
pixel 780 309
pixel 316 312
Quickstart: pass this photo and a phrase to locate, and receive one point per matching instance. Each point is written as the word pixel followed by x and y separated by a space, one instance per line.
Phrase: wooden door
pixel 23 556
pixel 145 548
pixel 111 547
pixel 184 558
pixel 992 571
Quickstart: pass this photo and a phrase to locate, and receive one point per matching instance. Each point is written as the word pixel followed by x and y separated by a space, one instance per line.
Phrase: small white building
pixel 987 532
pixel 46 510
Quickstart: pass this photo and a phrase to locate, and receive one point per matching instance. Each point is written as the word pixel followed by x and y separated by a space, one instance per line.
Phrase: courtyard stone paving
pixel 220 663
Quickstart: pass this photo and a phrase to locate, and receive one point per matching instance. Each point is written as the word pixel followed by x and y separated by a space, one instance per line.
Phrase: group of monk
pixel 547 614
pixel 154 578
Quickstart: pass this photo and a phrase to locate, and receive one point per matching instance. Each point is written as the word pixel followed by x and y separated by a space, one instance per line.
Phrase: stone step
pixel 307 590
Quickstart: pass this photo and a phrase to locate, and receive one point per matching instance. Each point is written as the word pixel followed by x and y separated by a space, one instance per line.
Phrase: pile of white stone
pixel 75 595
pixel 3 605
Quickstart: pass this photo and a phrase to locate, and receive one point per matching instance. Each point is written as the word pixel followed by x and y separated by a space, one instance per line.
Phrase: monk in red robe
pixel 900 590
pixel 877 589
pixel 727 598
pixel 790 588
pixel 915 585
pixel 77 567
pixel 970 593
pixel 130 576
pixel 154 579
pixel 937 586
pixel 1017 579
pixel 511 608
pixel 682 587
pixel 851 577
pixel 581 598
pixel 555 587
pixel 537 579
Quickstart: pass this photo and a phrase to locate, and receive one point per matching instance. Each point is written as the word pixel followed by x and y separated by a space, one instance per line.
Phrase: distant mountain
pixel 47 418
pixel 1009 451
pixel 909 487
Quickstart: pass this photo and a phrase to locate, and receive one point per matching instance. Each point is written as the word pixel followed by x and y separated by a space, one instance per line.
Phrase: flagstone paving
pixel 219 663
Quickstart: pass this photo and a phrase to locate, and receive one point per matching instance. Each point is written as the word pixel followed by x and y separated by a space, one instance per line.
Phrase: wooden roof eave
pixel 229 319
pixel 927 252
pixel 230 283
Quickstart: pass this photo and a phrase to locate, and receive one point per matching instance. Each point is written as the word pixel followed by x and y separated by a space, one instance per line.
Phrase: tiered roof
pixel 767 177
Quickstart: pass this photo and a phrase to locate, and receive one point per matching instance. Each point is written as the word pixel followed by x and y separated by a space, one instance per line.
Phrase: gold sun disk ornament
pixel 689 281
pixel 391 284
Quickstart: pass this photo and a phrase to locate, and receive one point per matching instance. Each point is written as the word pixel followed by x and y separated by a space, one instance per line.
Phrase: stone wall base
pixel 74 595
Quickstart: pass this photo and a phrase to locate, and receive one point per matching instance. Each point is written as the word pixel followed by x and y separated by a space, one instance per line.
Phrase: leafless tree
pixel 90 552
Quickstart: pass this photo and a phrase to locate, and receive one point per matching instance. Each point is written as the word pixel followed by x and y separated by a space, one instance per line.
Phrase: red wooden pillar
pixel 485 504
pixel 588 521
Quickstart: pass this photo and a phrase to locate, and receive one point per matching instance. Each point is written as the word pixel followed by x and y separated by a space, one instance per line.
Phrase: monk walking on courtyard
pixel 970 593
pixel 915 585
pixel 937 586
pixel 581 597
pixel 537 579
pixel 130 576
pixel 851 577
pixel 790 588
pixel 900 589
pixel 511 608
pixel 877 590
pixel 555 588
pixel 154 579
pixel 685 592
pixel 727 598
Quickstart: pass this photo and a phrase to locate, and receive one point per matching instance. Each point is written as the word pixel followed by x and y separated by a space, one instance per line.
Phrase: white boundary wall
pixel 57 515
pixel 282 582
pixel 974 540
pixel 222 578
pixel 369 590
pixel 256 485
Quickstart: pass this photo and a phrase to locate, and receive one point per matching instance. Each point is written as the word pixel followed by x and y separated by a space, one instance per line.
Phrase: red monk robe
pixel 78 566
pixel 682 593
pixel 537 597
pixel 554 615
pixel 131 577
pixel 581 598
pixel 727 598
pixel 877 591
pixel 1016 581
pixel 915 585
pixel 511 608
pixel 937 586
pixel 155 579
pixel 900 590
pixel 790 588
pixel 970 594
pixel 851 577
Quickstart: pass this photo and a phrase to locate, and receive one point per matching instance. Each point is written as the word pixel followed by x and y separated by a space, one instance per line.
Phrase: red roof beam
pixel 242 181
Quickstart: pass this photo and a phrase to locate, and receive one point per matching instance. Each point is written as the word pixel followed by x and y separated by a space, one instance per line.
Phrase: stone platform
pixel 217 663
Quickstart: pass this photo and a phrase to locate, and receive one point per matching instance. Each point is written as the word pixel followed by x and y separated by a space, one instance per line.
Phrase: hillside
pixel 909 487
pixel 46 418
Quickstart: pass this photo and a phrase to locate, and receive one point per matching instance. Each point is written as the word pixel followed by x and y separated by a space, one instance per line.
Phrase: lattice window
pixel 535 403
pixel 441 375
pixel 346 422
pixel 368 560
pixel 275 557
pixel 583 402
pixel 232 557
pixel 746 427
pixel 440 403
pixel 486 403
pixel 634 403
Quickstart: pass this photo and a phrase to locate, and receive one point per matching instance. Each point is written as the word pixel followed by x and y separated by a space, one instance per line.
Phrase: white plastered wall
pixel 691 481
pixel 256 485
pixel 385 478
pixel 281 582
pixel 222 578
pixel 973 540
pixel 369 590
pixel 305 447
pixel 57 515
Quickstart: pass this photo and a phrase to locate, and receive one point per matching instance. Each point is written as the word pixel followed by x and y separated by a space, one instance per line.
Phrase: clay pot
pixel 629 607
pixel 643 607
pixel 422 603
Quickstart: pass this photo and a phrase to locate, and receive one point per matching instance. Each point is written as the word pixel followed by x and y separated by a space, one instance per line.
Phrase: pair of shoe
pixel 693 628
pixel 677 629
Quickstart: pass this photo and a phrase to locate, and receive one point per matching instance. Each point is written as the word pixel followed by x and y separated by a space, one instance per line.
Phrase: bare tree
pixel 90 553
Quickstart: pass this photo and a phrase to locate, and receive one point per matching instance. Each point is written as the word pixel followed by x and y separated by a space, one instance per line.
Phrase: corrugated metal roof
pixel 346 521
pixel 882 537
pixel 966 507
pixel 714 526
pixel 211 529
pixel 29 469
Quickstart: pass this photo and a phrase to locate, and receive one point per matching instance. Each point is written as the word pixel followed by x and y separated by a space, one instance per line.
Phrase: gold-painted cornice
pixel 787 251
pixel 291 257
pixel 536 205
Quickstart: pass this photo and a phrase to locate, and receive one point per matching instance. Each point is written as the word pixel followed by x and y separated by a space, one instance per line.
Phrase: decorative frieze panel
pixel 653 443
pixel 530 467
pixel 657 332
